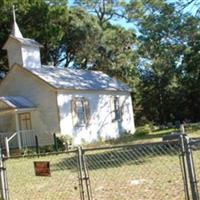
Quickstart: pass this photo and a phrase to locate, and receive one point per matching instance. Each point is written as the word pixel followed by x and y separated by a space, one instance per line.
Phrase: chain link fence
pixel 61 184
pixel 153 171
pixel 148 171
pixel 195 147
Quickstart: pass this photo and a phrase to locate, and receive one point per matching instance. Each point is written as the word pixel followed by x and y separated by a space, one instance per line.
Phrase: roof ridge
pixel 73 69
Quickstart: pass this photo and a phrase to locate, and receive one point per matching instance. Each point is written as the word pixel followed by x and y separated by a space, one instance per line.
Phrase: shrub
pixel 27 151
pixel 64 142
pixel 46 149
pixel 60 143
pixel 143 130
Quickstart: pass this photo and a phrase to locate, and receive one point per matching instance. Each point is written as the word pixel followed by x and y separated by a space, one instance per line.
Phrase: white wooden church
pixel 42 100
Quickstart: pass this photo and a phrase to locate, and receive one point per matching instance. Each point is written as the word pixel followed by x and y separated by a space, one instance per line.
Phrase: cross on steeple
pixel 15 30
pixel 14 16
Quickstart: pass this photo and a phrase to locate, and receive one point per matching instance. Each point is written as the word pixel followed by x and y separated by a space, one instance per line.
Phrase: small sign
pixel 42 168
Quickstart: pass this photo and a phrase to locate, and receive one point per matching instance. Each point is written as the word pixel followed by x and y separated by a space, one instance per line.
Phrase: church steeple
pixel 15 29
pixel 22 51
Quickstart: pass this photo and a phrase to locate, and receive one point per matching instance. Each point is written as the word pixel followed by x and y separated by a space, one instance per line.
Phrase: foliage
pixel 143 130
pixel 105 10
pixel 188 5
pixel 64 142
pixel 158 48
pixel 81 39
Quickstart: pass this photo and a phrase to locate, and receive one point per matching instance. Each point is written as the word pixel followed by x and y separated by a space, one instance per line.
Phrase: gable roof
pixel 27 41
pixel 78 79
pixel 23 41
pixel 17 102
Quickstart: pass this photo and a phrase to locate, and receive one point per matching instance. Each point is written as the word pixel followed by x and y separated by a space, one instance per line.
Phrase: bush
pixel 27 151
pixel 60 143
pixel 64 142
pixel 143 130
pixel 46 149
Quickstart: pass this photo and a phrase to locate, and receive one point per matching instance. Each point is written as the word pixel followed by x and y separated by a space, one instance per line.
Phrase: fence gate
pixel 155 171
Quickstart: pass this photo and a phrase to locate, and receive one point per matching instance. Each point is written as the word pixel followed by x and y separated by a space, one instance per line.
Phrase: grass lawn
pixel 62 184
pixel 147 177
pixel 154 136
pixel 120 174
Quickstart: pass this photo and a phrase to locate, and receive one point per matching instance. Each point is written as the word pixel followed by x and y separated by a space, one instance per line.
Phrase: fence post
pixel 87 178
pixel 3 179
pixel 36 145
pixel 7 147
pixel 191 168
pixel 184 168
pixel 182 128
pixel 80 170
pixel 84 182
pixel 19 140
pixel 55 142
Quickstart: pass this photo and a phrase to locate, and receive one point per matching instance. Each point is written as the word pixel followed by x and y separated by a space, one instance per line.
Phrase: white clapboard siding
pixel 101 123
pixel 45 119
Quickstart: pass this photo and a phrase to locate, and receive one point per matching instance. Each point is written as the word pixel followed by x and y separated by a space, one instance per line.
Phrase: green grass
pixel 120 174
pixel 153 136
pixel 62 184
pixel 153 178
pixel 114 174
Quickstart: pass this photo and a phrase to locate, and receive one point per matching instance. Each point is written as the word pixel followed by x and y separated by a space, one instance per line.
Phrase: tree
pixel 190 67
pixel 192 6
pixel 105 10
pixel 80 40
pixel 160 51
pixel 89 46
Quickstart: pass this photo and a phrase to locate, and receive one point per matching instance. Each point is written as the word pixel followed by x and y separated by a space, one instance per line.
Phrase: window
pixel 80 111
pixel 25 121
pixel 117 108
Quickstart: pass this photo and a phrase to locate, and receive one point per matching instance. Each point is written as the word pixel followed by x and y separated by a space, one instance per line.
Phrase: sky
pixel 122 22
pixel 192 8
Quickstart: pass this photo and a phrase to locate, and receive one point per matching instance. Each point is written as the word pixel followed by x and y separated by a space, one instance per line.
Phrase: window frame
pixel 117 109
pixel 28 120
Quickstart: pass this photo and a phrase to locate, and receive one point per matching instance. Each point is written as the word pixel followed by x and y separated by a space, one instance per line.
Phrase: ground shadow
pixel 118 157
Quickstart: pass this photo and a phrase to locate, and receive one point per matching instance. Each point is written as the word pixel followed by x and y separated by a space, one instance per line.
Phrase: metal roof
pixel 17 102
pixel 23 41
pixel 15 31
pixel 27 41
pixel 78 79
